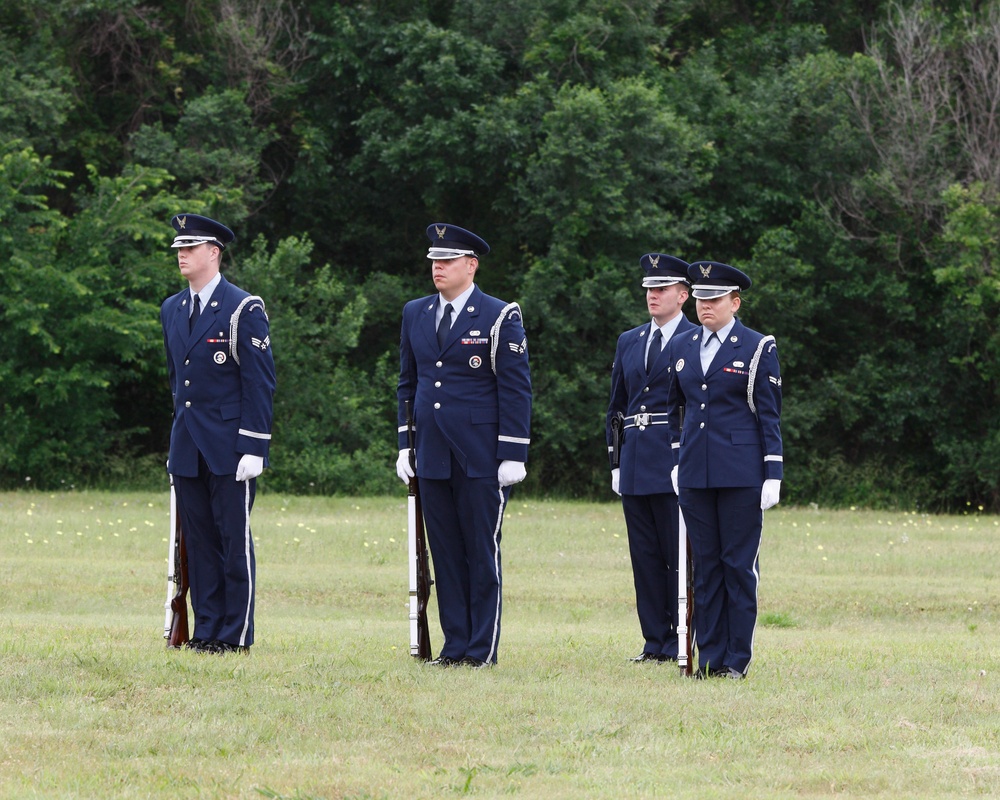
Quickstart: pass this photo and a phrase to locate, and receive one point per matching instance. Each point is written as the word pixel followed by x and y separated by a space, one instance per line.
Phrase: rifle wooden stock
pixel 420 582
pixel 617 437
pixel 420 572
pixel 175 629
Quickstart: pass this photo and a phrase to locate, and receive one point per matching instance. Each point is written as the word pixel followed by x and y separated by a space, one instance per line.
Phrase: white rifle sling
pixel 754 362
pixel 495 331
pixel 234 323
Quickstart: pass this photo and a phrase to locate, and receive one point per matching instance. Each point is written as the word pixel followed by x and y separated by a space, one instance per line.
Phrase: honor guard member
pixel 463 365
pixel 726 379
pixel 642 464
pixel 222 380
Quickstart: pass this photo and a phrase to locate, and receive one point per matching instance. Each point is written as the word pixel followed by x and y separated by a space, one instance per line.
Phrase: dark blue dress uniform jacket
pixel 645 457
pixel 461 407
pixel 221 409
pixel 723 443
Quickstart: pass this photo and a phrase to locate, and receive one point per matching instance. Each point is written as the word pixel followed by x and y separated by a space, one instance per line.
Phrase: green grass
pixel 875 674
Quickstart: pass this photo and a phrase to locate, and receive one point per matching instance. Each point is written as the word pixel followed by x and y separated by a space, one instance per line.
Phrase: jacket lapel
pixel 728 351
pixel 463 318
pixel 209 316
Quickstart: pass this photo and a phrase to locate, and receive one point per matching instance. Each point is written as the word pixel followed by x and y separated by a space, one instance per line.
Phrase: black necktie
pixel 195 313
pixel 444 326
pixel 654 349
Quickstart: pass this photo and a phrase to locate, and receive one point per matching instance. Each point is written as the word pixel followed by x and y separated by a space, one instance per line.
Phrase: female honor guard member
pixel 725 378
pixel 463 365
pixel 642 475
pixel 222 379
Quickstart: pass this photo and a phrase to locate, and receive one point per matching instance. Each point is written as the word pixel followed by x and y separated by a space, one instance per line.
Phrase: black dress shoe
pixel 444 661
pixel 221 648
pixel 643 658
pixel 724 672
pixel 198 645
pixel 474 663
pixel 728 672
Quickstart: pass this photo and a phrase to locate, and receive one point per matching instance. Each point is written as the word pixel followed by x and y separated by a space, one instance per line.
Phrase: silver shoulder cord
pixel 753 371
pixel 495 332
pixel 234 323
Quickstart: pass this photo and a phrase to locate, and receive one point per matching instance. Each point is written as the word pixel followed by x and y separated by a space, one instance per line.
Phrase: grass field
pixel 876 673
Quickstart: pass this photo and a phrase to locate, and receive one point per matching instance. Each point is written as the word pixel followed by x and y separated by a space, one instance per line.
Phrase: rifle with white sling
pixel 420 573
pixel 175 624
pixel 685 600
pixel 685 594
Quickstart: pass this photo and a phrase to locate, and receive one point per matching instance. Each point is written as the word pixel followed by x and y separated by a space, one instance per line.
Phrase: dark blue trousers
pixel 651 521
pixel 463 517
pixel 724 528
pixel 222 570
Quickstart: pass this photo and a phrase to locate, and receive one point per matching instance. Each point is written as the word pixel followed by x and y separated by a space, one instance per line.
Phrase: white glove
pixel 769 493
pixel 249 467
pixel 614 481
pixel 673 480
pixel 511 472
pixel 403 468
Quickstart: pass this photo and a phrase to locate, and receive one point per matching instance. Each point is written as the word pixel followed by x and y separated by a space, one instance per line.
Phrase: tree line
pixel 844 154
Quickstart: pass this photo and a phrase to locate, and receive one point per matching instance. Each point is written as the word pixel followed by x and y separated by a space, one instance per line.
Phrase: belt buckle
pixel 641 420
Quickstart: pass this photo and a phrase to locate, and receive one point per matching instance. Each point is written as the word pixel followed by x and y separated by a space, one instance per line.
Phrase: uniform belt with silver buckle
pixel 642 420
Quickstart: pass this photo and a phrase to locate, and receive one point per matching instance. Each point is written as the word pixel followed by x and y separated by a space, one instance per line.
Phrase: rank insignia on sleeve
pixel 518 348
pixel 263 344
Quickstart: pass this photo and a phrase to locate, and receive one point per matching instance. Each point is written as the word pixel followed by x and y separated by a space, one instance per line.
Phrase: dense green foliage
pixel 844 154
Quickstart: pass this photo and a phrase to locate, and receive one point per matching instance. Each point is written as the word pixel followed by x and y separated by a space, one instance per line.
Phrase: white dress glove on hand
pixel 769 493
pixel 673 480
pixel 249 467
pixel 615 473
pixel 403 468
pixel 511 472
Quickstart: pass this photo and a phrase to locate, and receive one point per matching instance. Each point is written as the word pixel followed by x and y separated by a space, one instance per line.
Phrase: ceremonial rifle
pixel 685 600
pixel 175 624
pixel 617 437
pixel 685 596
pixel 420 574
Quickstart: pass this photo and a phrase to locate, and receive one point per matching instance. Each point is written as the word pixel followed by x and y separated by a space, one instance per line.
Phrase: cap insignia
pixel 705 271
pixel 654 261
pixel 182 223
pixel 440 231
